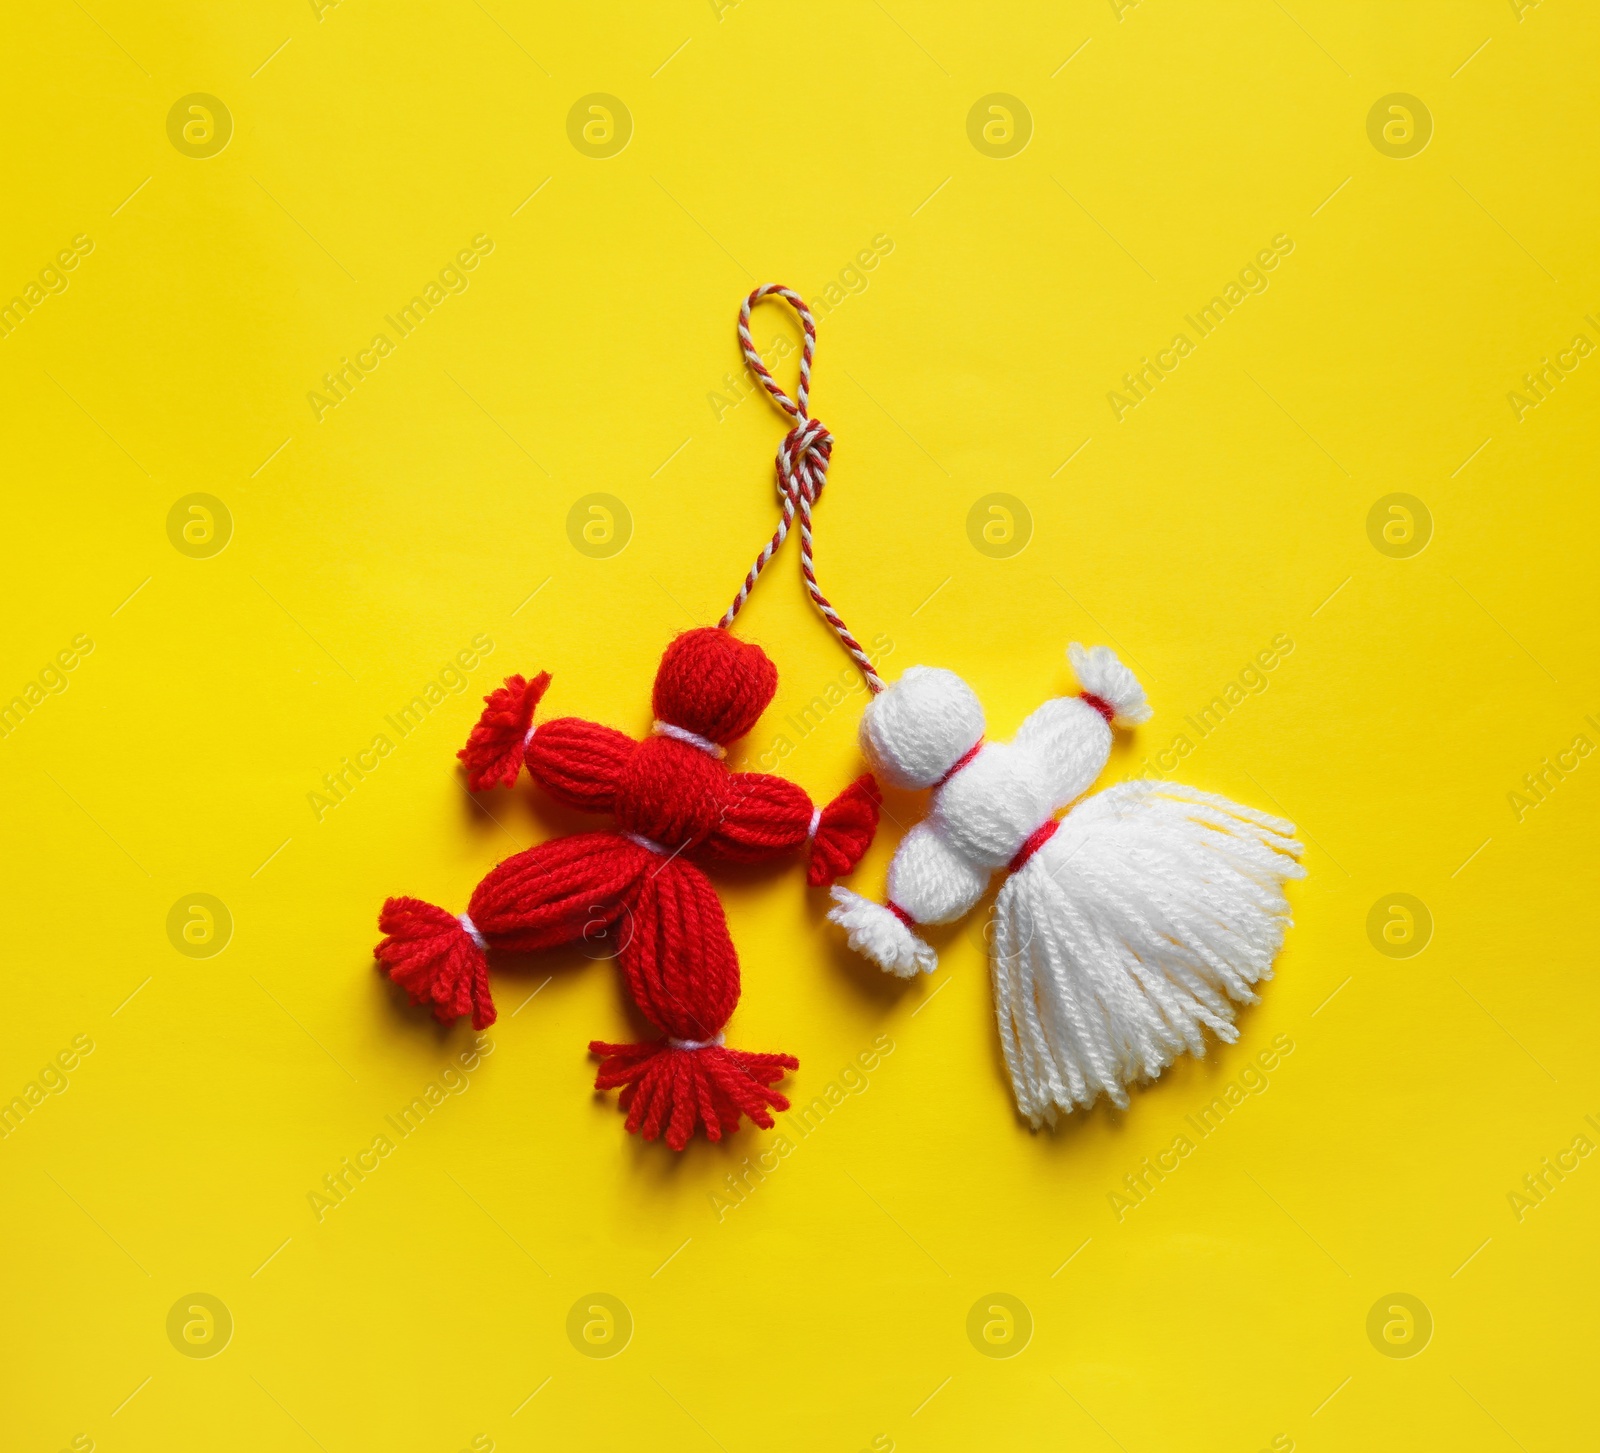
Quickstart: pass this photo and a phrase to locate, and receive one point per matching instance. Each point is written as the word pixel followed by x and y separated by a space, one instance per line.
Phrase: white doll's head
pixel 918 729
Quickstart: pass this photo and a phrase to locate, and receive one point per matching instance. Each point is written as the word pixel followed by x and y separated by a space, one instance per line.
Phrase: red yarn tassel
pixel 433 958
pixel 493 753
pixel 668 1092
pixel 844 832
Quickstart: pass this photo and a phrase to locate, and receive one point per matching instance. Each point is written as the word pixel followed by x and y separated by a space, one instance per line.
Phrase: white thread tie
pixel 716 1039
pixel 529 737
pixel 649 844
pixel 466 922
pixel 816 822
pixel 693 739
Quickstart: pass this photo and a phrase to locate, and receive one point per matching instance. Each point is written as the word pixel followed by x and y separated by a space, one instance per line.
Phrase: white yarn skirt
pixel 1140 924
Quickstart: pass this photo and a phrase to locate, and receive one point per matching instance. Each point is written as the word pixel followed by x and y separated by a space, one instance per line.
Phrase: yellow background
pixel 775 141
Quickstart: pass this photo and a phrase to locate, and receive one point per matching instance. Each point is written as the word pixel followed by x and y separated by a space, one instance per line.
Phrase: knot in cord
pixel 802 470
pixel 803 463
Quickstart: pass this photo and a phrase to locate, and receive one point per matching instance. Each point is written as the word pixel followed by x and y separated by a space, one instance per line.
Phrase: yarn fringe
pixel 668 1092
pixel 428 952
pixel 879 934
pixel 494 752
pixel 1136 928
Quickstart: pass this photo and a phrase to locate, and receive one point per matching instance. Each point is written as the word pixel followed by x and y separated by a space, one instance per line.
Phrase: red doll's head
pixel 713 685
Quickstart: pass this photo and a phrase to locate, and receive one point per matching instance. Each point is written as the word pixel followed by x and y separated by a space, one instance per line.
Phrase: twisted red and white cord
pixel 802 470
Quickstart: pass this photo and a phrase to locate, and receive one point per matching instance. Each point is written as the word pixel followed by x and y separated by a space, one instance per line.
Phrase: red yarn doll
pixel 676 806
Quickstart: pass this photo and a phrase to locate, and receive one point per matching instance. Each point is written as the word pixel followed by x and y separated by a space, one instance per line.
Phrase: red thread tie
pixel 1035 840
pixel 960 762
pixel 901 914
pixel 1100 704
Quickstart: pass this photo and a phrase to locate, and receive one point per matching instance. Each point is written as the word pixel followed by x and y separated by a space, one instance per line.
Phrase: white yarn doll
pixel 1123 931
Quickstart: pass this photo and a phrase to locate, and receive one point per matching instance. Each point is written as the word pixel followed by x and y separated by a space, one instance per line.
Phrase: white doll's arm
pixel 1069 738
pixel 1068 743
pixel 929 882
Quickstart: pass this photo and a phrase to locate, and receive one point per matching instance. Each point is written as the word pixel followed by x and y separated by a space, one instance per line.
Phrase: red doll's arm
pixel 764 816
pixel 578 762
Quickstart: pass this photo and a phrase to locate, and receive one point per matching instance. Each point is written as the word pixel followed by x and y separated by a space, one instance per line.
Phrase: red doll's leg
pixel 683 972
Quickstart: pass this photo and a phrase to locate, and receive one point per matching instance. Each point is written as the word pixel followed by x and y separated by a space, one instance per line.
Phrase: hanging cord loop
pixel 802 470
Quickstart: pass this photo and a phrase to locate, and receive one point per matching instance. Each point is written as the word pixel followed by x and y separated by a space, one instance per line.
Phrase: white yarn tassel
pixel 879 935
pixel 1139 925
pixel 1100 673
